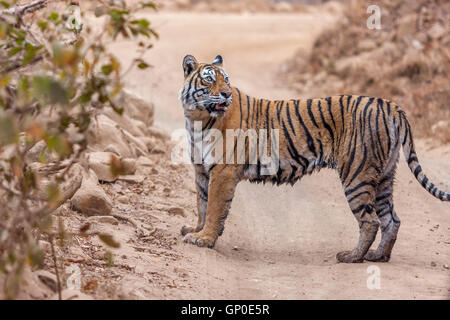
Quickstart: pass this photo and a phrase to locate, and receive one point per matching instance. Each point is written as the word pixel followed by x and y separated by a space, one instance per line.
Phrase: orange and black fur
pixel 358 136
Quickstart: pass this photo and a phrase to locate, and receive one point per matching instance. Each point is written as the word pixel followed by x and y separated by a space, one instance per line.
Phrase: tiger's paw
pixel 199 239
pixel 348 257
pixel 373 256
pixel 186 229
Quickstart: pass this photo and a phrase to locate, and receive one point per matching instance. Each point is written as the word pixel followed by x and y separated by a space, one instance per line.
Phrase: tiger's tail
pixel 413 162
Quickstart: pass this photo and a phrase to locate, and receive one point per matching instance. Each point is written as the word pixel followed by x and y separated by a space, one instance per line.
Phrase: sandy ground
pixel 279 242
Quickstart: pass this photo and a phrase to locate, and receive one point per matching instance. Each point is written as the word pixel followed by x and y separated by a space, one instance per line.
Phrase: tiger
pixel 358 136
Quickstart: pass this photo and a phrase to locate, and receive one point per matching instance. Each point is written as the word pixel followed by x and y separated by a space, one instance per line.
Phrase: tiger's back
pixel 314 132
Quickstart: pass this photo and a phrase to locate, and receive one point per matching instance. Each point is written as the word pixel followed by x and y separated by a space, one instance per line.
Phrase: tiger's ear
pixel 218 61
pixel 189 65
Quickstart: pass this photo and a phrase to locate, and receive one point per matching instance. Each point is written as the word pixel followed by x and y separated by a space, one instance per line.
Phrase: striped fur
pixel 358 136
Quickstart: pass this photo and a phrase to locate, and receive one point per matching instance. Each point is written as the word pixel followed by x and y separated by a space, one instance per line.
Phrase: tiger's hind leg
pixel 360 196
pixel 389 221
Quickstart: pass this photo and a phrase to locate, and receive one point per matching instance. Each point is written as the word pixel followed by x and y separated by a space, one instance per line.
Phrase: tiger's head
pixel 206 87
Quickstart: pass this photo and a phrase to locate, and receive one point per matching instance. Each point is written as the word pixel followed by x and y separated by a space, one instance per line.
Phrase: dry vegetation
pixel 56 76
pixel 406 61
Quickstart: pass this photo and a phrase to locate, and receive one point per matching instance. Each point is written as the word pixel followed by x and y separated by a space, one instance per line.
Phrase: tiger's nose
pixel 225 94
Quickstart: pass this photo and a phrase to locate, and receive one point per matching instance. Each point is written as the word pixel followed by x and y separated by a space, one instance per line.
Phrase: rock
pixel 67 188
pixel 149 142
pixel 47 278
pixel 157 150
pixel 283 6
pixel 417 44
pixel 144 162
pixel 30 286
pixel 158 133
pixel 139 148
pixel 103 219
pixel 100 163
pixel 176 211
pixel 44 245
pixel 332 7
pixel 132 178
pixel 77 253
pixel 183 4
pixel 72 294
pixel 441 125
pixel 90 199
pixel 117 188
pixel 366 45
pixel 129 165
pixel 433 264
pixel 137 108
pixel 104 133
pixel 113 149
pixel 123 199
pixel 124 121
pixel 34 153
pixel 437 31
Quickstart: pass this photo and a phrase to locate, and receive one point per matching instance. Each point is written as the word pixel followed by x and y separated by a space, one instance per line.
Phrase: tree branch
pixel 23 9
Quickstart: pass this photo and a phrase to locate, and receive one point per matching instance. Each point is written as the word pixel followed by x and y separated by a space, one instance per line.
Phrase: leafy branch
pixel 56 74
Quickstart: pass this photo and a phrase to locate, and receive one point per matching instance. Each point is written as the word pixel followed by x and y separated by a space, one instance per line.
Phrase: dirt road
pixel 280 243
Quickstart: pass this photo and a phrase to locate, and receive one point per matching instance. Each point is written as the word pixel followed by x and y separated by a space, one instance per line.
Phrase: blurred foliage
pixel 56 71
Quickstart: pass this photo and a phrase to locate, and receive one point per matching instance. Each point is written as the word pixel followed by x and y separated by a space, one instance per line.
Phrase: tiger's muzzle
pixel 218 107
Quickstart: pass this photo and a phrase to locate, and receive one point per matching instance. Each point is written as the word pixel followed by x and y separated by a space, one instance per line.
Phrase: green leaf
pixel 58 144
pixel 42 24
pixel 30 54
pixel 49 91
pixel 53 16
pixel 8 130
pixel 46 223
pixel 14 51
pixel 109 240
pixel 86 97
pixel 35 256
pixel 29 180
pixel 143 23
pixel 107 69
pixel 117 15
pixel 109 259
pixel 142 64
pixel 147 4
pixel 53 195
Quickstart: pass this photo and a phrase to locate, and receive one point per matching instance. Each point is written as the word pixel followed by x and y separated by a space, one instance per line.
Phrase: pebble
pixel 176 211
pixel 123 199
pixel 104 219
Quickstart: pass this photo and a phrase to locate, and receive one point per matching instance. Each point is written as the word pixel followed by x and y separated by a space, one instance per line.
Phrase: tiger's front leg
pixel 222 185
pixel 202 185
